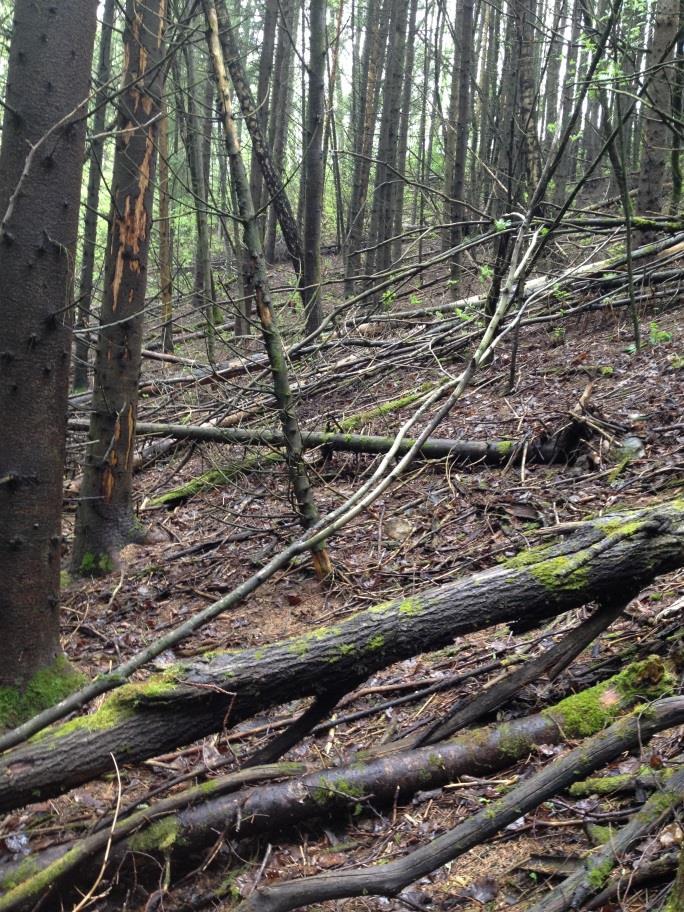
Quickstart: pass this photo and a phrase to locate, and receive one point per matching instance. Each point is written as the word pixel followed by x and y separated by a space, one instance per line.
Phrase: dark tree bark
pixel 85 292
pixel 283 89
pixel 105 520
pixel 313 168
pixel 371 73
pixel 41 163
pixel 193 699
pixel 165 248
pixel 256 180
pixel 655 135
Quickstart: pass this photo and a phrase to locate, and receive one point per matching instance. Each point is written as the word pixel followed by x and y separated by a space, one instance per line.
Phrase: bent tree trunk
pixel 193 699
pixel 40 183
pixel 105 520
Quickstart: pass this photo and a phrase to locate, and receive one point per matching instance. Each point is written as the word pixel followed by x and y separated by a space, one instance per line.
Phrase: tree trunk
pixel 402 139
pixel 256 180
pixel 105 520
pixel 313 168
pixel 299 478
pixel 655 134
pixel 191 700
pixel 85 291
pixel 165 276
pixel 41 163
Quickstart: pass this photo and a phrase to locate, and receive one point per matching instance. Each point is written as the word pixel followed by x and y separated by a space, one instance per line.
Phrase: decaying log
pixel 193 699
pixel 596 870
pixel 187 824
pixel 389 879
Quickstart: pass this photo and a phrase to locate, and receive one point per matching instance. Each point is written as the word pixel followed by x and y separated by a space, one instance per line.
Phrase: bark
pixel 41 164
pixel 276 191
pixel 91 215
pixel 195 816
pixel 560 448
pixel 592 875
pixel 298 475
pixel 105 521
pixel 655 133
pixel 313 168
pixel 165 249
pixel 256 179
pixel 191 700
pixel 283 88
pixel 402 138
pixel 372 68
pixel 389 879
pixel 460 118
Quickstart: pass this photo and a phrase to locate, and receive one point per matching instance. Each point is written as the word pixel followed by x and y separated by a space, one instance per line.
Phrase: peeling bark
pixel 105 520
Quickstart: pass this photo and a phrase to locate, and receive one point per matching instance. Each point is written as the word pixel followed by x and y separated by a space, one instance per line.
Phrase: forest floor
pixel 440 520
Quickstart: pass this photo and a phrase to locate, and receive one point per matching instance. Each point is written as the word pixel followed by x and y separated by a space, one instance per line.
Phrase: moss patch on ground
pixel 47 687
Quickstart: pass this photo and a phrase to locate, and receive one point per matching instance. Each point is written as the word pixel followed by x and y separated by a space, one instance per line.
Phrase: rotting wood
pixel 190 700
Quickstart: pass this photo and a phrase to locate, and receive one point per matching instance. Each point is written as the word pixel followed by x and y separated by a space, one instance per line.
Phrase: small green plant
pixel 501 224
pixel 657 336
pixel 414 300
pixel 388 298
pixel 558 335
pixel 486 271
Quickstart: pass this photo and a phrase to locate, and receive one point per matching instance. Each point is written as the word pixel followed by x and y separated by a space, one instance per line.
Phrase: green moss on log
pixel 47 687
pixel 588 712
pixel 160 835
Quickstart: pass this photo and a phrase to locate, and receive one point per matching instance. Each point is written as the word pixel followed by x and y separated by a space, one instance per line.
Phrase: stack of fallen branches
pixel 619 553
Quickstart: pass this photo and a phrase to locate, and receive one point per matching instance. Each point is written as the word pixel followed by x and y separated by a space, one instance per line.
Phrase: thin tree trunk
pixel 165 277
pixel 313 167
pixel 85 291
pixel 105 521
pixel 299 478
pixel 268 32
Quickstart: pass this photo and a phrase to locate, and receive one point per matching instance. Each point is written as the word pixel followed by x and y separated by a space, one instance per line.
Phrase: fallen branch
pixel 190 700
pixel 594 873
pixel 188 823
pixel 389 879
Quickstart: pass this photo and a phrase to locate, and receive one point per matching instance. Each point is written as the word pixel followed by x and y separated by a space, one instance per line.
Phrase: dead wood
pixel 559 447
pixel 185 825
pixel 193 699
pixel 592 876
pixel 389 879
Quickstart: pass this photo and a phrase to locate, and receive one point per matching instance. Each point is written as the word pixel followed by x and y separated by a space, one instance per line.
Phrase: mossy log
pixel 190 828
pixel 574 891
pixel 390 878
pixel 192 699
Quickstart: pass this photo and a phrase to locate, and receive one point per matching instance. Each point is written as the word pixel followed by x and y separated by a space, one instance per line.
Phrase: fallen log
pixel 596 870
pixel 496 452
pixel 185 825
pixel 193 699
pixel 390 878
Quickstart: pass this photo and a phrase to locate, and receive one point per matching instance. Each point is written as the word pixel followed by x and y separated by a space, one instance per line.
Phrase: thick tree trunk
pixel 91 216
pixel 256 178
pixel 191 700
pixel 41 162
pixel 105 520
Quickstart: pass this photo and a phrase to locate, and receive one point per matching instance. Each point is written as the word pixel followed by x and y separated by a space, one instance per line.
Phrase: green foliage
pixel 656 336
pixel 486 271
